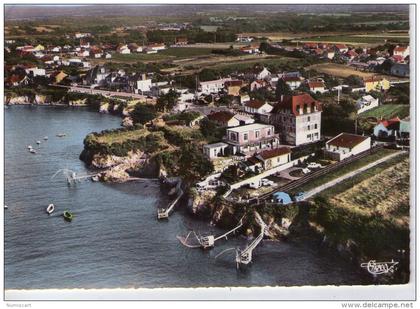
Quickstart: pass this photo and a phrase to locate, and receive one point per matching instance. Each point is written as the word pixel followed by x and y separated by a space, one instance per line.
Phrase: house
pixel 257 107
pixel 250 49
pixel 134 48
pixel 345 145
pixel 108 56
pixel 351 54
pixel 39 47
pixel 213 86
pixel 262 74
pixel 56 49
pixel 402 51
pixel 17 80
pixel 310 45
pixel 96 76
pixel 244 39
pixel 330 54
pixel 387 128
pixel 366 103
pixel 316 86
pixel 293 82
pixel 123 49
pixel 212 151
pixel 157 46
pixel 148 50
pixel 35 71
pixel 376 83
pixel 244 119
pixel 251 138
pixel 233 87
pixel 272 158
pixel 84 43
pixel 224 119
pixel 83 53
pixel 400 69
pixel 252 164
pixel 79 35
pixel 143 84
pixel 341 48
pixel 181 41
pixel 298 119
pixel 257 84
pixel 96 52
pixel 59 77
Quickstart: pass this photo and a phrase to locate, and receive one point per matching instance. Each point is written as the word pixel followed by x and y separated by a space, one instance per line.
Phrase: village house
pixel 330 54
pixel 387 128
pixel 156 46
pixel 213 86
pixel 274 157
pixel 251 138
pixel 257 84
pixel 345 145
pixel 224 119
pixel 84 43
pixel 59 76
pixel 233 87
pixel 134 48
pixel 244 39
pixel 376 83
pixel 123 49
pixel 402 51
pixel 181 41
pixel 96 76
pixel 213 151
pixel 35 71
pixel 317 86
pixel 366 103
pixel 17 80
pixel 351 54
pixel 298 119
pixel 400 69
pixel 293 82
pixel 79 35
pixel 257 107
pixel 143 84
pixel 341 48
pixel 250 49
pixel 83 53
pixel 262 74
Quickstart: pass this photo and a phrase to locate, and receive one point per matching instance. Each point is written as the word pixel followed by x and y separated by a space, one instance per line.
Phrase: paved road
pixel 349 175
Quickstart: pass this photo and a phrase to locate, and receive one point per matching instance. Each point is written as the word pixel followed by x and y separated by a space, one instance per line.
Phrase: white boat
pixel 45 138
pixel 29 147
pixel 32 151
pixel 95 178
pixel 50 208
pixel 38 142
pixel 5 207
pixel 61 134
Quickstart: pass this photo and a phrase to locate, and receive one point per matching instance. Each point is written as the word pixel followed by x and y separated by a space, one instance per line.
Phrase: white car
pixel 267 182
pixel 314 165
pixel 306 170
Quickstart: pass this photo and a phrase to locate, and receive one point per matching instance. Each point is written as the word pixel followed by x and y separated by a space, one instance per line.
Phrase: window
pixel 309 118
pixel 245 136
pixel 232 136
pixel 308 136
pixel 257 134
pixel 268 132
pixel 309 127
pixel 316 126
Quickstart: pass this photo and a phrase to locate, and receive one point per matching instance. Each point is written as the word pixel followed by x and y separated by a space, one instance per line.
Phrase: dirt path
pixel 349 175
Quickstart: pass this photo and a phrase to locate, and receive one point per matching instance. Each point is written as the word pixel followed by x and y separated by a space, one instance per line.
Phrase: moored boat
pixel 38 142
pixel 50 208
pixel 61 134
pixel 67 215
pixel 45 138
pixel 32 151
pixel 29 147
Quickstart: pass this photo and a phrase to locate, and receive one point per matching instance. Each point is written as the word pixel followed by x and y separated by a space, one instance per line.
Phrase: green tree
pixel 143 113
pixel 167 101
pixel 282 88
pixel 193 165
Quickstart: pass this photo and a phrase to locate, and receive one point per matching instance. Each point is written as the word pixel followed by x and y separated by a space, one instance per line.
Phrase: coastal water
pixel 115 239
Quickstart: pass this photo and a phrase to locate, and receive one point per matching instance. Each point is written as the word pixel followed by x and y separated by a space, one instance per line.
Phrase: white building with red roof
pixel 298 119
pixel 402 51
pixel 345 145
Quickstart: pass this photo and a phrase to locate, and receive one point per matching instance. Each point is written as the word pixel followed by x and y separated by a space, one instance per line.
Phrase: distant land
pixel 13 12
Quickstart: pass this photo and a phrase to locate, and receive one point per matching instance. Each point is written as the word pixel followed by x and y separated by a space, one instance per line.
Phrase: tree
pixel 193 165
pixel 208 74
pixel 282 88
pixel 353 80
pixel 143 113
pixel 167 101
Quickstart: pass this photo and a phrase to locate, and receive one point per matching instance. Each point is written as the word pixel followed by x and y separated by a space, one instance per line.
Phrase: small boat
pixel 38 142
pixel 5 207
pixel 32 151
pixel 67 215
pixel 29 147
pixel 50 208
pixel 45 138
pixel 95 178
pixel 61 134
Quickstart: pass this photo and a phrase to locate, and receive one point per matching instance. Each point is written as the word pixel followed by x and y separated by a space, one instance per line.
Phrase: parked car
pixel 267 182
pixel 306 170
pixel 314 165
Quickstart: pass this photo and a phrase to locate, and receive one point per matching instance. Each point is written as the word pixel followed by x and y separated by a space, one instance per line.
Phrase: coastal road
pixel 349 175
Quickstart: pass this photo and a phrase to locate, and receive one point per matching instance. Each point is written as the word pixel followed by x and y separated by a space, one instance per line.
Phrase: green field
pixel 388 111
pixel 380 39
pixel 344 170
pixel 120 136
pixel 170 53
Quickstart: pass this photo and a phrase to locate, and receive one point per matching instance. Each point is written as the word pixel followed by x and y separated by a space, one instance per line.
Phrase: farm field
pixel 338 70
pixel 359 40
pixel 388 111
pixel 382 190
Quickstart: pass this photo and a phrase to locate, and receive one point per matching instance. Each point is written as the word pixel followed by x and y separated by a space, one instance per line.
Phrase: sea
pixel 115 239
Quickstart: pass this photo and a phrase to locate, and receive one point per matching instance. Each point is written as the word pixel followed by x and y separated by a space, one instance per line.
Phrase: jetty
pixel 244 257
pixel 209 240
pixel 163 213
pixel 73 177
